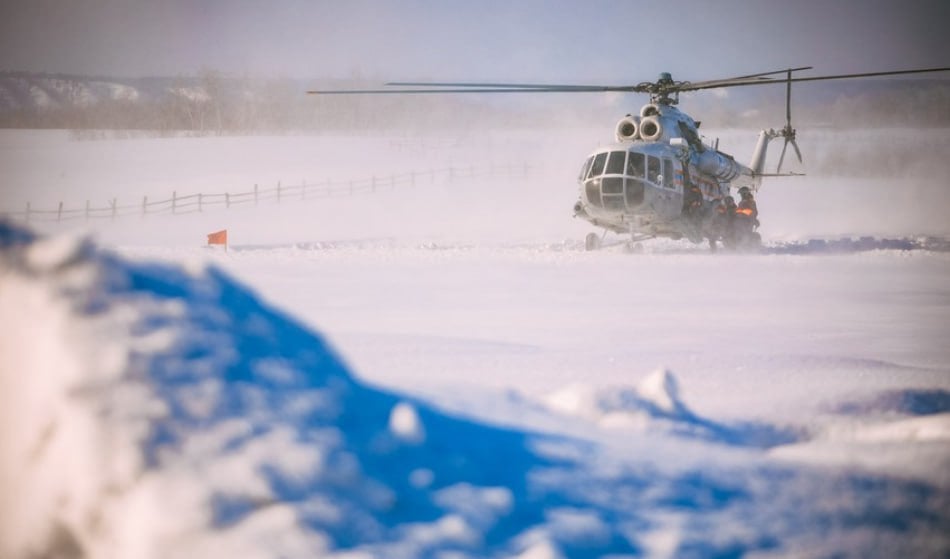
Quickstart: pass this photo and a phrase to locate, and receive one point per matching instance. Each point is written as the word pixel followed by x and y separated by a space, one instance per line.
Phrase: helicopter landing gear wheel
pixel 592 241
pixel 633 247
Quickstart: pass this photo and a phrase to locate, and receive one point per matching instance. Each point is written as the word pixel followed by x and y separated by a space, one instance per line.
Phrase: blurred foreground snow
pixel 496 398
pixel 151 410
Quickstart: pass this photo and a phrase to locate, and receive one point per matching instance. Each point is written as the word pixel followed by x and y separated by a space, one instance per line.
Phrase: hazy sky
pixel 583 41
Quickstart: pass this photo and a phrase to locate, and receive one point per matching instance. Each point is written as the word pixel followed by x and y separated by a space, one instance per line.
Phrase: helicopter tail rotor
pixel 788 132
pixel 789 139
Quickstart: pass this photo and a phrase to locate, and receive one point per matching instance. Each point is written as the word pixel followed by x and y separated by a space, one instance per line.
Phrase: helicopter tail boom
pixel 758 156
pixel 720 165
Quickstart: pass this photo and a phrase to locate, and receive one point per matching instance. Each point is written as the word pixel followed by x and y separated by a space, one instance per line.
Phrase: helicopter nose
pixel 614 193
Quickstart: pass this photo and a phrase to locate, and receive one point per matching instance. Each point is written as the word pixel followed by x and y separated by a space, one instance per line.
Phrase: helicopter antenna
pixel 788 132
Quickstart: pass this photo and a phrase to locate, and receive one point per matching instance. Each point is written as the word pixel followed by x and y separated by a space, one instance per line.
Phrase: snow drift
pixel 656 406
pixel 155 411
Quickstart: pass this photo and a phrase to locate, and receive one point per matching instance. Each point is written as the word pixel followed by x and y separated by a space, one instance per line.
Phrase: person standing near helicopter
pixel 693 210
pixel 722 223
pixel 747 206
pixel 746 217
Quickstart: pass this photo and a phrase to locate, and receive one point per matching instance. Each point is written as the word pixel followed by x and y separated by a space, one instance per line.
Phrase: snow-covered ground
pixel 443 371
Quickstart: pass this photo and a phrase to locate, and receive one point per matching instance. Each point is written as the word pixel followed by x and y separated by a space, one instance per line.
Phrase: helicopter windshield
pixel 615 163
pixel 653 168
pixel 611 163
pixel 597 168
pixel 615 180
pixel 585 168
pixel 635 164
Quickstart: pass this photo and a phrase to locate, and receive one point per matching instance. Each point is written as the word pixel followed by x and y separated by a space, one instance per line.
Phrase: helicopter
pixel 659 179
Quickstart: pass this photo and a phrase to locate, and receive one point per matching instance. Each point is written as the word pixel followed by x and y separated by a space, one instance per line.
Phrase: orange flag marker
pixel 219 238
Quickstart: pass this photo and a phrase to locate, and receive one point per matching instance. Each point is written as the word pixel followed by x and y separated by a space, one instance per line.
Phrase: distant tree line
pixel 213 103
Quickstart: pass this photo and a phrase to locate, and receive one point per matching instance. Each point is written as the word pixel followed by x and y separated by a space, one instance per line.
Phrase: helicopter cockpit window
pixel 592 190
pixel 635 164
pixel 612 189
pixel 597 168
pixel 633 193
pixel 585 168
pixel 668 173
pixel 653 168
pixel 615 163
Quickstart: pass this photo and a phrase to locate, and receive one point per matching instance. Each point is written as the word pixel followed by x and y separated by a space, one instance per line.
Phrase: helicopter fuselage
pixel 638 184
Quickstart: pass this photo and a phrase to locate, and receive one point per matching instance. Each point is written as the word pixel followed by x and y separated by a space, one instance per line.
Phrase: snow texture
pixel 443 371
pixel 151 410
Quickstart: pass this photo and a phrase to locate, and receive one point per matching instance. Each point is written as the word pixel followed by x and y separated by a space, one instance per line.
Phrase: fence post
pixel 227 201
pixel 255 194
pixel 278 192
pixel 174 201
pixel 59 213
pixel 114 203
pixel 374 184
pixel 27 212
pixel 303 189
pixel 200 196
pixel 87 210
pixel 144 205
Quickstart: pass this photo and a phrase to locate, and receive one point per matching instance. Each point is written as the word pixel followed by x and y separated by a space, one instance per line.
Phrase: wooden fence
pixel 282 193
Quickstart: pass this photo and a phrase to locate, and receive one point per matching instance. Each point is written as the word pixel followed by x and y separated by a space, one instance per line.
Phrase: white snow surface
pixel 445 372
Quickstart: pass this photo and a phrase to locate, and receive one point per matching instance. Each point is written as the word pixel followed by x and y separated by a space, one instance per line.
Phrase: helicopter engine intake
pixel 628 128
pixel 650 128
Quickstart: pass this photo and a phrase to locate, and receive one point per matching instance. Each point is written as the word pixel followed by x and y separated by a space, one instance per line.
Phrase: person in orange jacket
pixel 747 207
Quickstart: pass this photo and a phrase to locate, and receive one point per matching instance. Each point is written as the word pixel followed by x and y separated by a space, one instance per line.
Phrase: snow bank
pixel 654 405
pixel 657 396
pixel 915 447
pixel 155 411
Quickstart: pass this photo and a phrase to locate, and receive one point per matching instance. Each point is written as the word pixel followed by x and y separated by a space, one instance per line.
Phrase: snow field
pixel 485 388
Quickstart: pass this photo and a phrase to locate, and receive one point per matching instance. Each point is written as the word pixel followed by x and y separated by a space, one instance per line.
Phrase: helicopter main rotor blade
pixel 531 86
pixel 738 83
pixel 763 74
pixel 658 88
pixel 478 88
pixel 501 87
pixel 744 80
